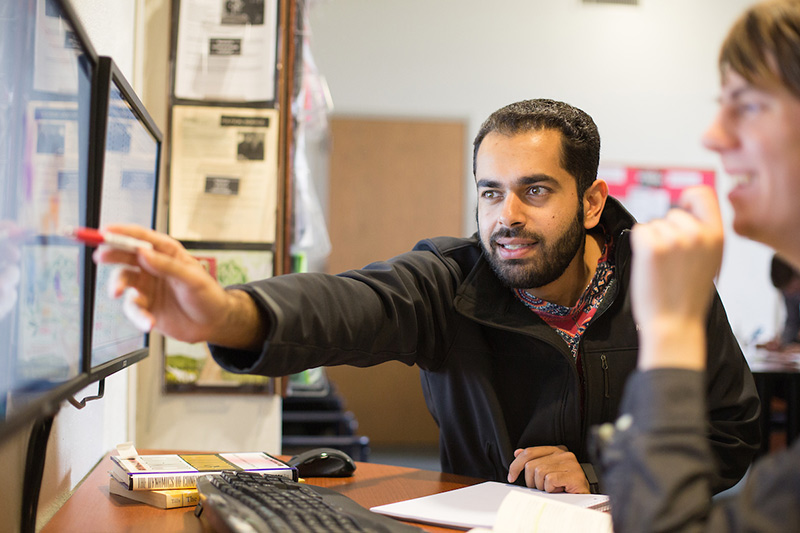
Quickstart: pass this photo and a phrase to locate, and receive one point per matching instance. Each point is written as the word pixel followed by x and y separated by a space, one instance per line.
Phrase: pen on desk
pixel 93 237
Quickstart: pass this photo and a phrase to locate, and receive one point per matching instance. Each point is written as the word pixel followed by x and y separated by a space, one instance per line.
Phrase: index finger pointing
pixel 161 242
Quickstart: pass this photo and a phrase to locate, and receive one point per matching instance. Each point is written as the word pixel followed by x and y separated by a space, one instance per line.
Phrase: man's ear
pixel 594 200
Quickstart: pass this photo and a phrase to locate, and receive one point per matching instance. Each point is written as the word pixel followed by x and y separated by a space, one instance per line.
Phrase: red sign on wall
pixel 649 192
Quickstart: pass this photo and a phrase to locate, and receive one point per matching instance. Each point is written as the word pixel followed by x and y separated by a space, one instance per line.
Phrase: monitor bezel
pixel 108 73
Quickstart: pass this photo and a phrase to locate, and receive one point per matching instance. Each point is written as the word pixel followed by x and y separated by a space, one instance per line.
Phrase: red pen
pixel 93 237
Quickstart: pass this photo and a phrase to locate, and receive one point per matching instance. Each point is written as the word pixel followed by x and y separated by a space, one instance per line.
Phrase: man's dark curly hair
pixel 580 147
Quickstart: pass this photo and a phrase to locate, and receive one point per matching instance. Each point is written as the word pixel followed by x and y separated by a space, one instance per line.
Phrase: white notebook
pixel 477 506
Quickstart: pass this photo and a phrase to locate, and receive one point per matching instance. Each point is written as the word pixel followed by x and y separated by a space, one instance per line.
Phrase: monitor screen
pixel 46 77
pixel 126 178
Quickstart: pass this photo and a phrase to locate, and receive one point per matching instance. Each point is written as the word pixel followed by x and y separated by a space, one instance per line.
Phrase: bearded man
pixel 523 333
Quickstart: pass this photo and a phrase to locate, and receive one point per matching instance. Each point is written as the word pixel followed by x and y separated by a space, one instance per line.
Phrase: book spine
pixel 190 498
pixel 171 501
pixel 164 499
pixel 162 481
pixel 186 480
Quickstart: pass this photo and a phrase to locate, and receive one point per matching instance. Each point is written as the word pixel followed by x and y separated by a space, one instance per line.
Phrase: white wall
pixel 647 74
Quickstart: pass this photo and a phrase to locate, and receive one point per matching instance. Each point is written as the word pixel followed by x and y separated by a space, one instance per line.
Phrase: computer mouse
pixel 323 462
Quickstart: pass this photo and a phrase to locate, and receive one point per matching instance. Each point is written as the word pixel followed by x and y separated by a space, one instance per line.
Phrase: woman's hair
pixel 763 46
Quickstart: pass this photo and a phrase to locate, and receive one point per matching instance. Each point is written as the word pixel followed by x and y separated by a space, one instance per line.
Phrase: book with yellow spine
pixel 164 499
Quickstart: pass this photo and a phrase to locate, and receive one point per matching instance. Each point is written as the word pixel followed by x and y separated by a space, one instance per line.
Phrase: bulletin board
pixel 232 84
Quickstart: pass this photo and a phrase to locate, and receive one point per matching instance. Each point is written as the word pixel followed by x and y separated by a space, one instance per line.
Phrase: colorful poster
pixel 190 367
pixel 649 192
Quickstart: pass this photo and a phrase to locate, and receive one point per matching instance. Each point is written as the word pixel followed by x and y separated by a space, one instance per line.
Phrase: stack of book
pixel 168 481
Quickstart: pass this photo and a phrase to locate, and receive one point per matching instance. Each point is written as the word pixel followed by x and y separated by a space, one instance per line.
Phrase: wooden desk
pixel 91 509
pixel 771 369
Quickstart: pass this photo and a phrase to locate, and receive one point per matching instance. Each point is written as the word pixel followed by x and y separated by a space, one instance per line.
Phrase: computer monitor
pixel 125 176
pixel 47 67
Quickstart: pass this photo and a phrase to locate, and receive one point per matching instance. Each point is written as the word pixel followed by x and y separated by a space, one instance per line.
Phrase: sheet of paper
pixel 226 50
pixel 223 174
pixel 52 178
pixel 475 506
pixel 526 513
pixel 54 52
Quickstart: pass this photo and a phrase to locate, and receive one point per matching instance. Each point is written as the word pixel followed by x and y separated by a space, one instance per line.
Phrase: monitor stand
pixel 34 469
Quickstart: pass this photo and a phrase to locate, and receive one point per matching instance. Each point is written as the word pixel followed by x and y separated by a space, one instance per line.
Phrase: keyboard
pixel 247 502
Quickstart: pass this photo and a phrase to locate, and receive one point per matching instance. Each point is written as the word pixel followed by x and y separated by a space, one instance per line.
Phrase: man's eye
pixel 536 190
pixel 489 194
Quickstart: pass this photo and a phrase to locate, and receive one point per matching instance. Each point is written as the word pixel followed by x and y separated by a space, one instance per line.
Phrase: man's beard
pixel 549 262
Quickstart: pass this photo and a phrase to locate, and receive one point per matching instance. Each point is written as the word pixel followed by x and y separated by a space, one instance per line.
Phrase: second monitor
pixel 126 162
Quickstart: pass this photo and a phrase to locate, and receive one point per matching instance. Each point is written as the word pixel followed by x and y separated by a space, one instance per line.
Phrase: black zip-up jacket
pixel 494 375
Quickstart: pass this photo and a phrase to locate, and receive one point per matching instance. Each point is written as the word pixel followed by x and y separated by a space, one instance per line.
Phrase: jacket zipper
pixel 604 365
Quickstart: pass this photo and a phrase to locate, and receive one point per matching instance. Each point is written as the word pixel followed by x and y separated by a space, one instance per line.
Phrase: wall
pixel 647 74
